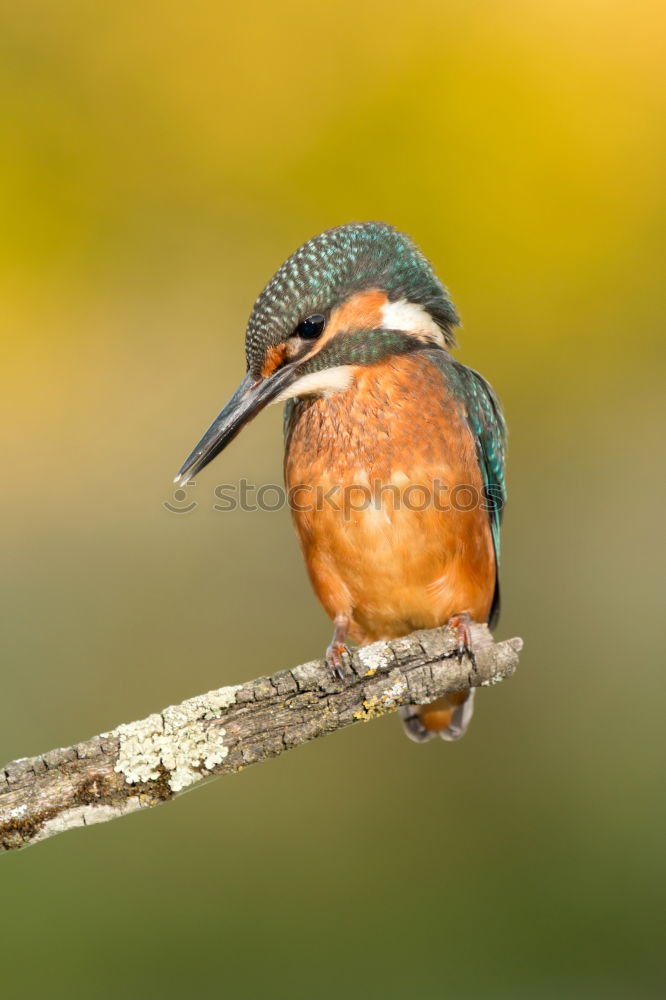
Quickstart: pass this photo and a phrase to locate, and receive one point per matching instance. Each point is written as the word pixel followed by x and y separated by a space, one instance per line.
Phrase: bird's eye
pixel 311 327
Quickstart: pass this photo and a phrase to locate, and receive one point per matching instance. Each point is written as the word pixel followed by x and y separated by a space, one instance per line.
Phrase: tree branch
pixel 141 764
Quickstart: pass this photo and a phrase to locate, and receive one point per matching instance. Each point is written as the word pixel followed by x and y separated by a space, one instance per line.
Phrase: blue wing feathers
pixel 484 415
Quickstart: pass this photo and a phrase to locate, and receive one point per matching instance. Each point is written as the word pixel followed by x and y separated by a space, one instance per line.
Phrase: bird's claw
pixel 461 625
pixel 335 658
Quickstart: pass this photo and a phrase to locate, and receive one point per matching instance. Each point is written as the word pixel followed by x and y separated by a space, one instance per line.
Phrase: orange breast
pixel 387 492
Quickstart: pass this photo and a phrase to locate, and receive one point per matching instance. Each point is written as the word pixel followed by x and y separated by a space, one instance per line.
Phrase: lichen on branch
pixel 141 764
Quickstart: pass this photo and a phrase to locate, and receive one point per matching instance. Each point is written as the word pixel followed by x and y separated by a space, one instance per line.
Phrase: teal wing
pixel 484 415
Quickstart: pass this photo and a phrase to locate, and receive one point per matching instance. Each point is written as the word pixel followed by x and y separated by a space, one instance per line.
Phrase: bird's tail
pixel 448 717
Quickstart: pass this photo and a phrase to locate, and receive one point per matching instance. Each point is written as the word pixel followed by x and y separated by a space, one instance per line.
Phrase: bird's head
pixel 349 297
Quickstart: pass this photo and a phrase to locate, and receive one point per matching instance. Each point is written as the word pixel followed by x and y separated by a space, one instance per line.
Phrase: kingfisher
pixel 394 451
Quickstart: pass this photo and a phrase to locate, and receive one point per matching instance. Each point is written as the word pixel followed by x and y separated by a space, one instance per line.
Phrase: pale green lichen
pixel 87 815
pixel 374 657
pixel 491 681
pixel 395 694
pixel 177 740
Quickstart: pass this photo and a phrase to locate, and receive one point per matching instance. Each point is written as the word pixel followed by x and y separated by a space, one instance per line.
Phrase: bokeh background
pixel 159 161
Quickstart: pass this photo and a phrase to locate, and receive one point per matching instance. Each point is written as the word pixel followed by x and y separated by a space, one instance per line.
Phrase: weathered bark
pixel 141 764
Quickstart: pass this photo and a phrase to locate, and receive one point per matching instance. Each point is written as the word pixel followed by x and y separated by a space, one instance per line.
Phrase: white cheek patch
pixel 413 319
pixel 324 383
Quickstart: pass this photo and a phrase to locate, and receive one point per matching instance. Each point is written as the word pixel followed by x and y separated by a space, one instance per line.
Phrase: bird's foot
pixel 338 648
pixel 335 658
pixel 461 625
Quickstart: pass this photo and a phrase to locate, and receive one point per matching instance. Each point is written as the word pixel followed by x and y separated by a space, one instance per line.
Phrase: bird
pixel 394 457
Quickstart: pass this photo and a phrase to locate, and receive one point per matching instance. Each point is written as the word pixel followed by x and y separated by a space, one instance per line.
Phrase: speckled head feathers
pixel 329 268
pixel 351 297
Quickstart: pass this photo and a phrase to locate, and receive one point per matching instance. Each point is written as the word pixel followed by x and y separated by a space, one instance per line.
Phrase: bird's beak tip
pixel 251 396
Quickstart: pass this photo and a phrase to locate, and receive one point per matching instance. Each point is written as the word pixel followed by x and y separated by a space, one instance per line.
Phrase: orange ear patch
pixel 275 356
pixel 362 311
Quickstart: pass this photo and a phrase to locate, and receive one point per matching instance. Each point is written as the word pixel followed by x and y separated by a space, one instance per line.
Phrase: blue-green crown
pixel 329 268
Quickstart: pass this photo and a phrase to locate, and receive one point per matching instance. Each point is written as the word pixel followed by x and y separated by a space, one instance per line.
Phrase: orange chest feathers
pixel 386 496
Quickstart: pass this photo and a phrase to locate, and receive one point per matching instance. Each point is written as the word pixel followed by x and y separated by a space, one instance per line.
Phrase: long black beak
pixel 249 399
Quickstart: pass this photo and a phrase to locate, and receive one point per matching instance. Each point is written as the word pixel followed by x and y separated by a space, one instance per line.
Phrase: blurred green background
pixel 159 161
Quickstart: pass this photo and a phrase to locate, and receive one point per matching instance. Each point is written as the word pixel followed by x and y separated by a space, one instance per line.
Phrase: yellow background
pixel 159 160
